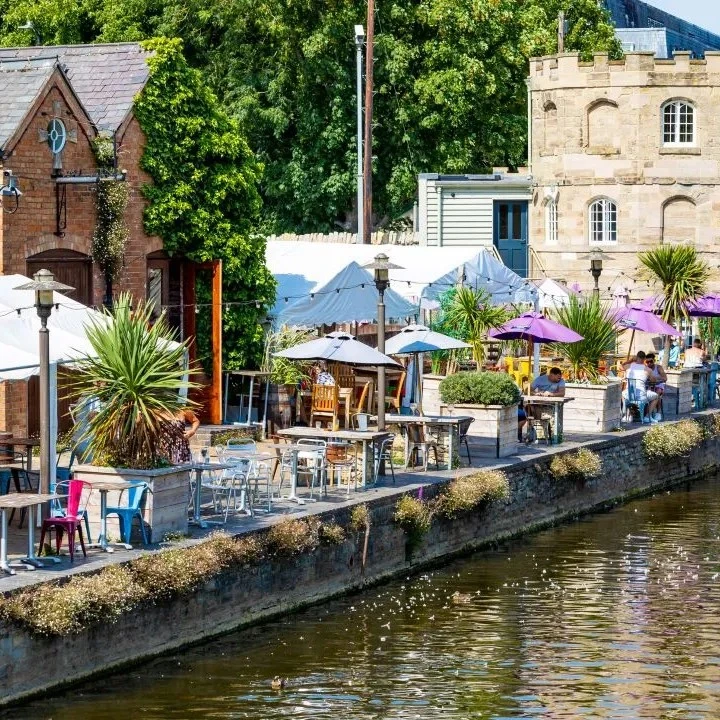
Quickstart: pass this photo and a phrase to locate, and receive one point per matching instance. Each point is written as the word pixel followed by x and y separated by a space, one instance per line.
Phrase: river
pixel 613 616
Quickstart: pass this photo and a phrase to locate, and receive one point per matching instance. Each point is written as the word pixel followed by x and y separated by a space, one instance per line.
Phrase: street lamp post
pixel 44 285
pixel 381 270
pixel 359 42
pixel 596 266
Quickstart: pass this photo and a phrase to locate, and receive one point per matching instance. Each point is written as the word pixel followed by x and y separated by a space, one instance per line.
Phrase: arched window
pixel 678 123
pixel 602 221
pixel 551 215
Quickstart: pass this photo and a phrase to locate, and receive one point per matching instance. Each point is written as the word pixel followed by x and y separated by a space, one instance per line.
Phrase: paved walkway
pixel 336 499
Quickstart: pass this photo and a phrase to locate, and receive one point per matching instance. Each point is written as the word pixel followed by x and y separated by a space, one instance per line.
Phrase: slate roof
pixel 20 85
pixel 106 78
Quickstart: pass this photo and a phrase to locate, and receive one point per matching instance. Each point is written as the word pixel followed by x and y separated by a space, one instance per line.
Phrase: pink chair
pixel 78 492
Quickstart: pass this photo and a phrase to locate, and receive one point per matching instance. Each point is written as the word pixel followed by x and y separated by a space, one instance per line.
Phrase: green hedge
pixel 479 388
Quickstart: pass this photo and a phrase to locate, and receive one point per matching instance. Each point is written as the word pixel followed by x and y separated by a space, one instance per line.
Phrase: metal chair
pixel 382 452
pixel 127 513
pixel 311 463
pixel 631 397
pixel 341 456
pixel 418 442
pixel 463 427
pixel 78 492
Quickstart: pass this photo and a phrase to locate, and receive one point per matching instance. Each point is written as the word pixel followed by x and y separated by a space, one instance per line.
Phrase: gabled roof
pixel 20 85
pixel 106 78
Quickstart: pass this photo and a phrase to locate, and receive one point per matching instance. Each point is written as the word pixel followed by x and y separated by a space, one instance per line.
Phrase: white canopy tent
pixel 553 295
pixel 301 268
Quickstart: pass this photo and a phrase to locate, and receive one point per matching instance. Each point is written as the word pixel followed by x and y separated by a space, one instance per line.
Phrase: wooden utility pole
pixel 561 32
pixel 367 165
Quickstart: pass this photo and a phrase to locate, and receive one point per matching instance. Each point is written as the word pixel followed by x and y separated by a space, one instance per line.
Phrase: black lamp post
pixel 596 266
pixel 44 286
pixel 381 270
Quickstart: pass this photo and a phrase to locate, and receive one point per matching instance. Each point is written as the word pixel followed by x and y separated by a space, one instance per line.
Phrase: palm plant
pixel 594 321
pixel 134 378
pixel 282 370
pixel 681 274
pixel 469 315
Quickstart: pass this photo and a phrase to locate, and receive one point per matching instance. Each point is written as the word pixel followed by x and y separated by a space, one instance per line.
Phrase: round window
pixel 57 135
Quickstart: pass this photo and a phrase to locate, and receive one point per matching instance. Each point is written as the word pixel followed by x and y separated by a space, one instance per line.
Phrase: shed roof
pixel 106 77
pixel 20 85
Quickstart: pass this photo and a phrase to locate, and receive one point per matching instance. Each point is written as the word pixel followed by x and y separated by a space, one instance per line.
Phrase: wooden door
pixel 69 267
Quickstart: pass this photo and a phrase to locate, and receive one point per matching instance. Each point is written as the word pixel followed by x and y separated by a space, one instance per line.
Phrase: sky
pixel 705 13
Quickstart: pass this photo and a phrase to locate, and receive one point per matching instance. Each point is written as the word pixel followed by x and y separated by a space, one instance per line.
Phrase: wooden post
pixel 561 32
pixel 215 408
pixel 367 158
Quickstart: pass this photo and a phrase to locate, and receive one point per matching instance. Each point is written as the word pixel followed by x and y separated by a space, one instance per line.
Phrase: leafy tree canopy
pixel 450 83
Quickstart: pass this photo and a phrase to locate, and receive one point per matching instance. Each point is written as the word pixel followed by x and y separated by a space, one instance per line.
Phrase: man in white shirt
pixel 638 377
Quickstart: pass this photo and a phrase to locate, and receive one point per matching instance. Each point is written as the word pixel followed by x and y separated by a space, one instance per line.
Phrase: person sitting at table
pixel 659 377
pixel 695 355
pixel 321 375
pixel 550 385
pixel 638 373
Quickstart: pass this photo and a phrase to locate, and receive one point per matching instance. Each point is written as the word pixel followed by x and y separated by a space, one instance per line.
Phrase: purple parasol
pixel 705 306
pixel 635 317
pixel 536 327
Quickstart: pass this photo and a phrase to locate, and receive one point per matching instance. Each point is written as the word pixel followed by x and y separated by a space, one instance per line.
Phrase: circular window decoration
pixel 57 135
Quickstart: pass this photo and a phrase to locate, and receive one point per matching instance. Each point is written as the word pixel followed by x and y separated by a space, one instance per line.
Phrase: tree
pixel 680 275
pixel 449 82
pixel 204 201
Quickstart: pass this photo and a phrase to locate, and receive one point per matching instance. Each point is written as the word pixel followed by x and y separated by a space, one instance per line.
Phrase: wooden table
pixel 27 443
pixel 13 501
pixel 104 487
pixel 449 421
pixel 557 404
pixel 366 437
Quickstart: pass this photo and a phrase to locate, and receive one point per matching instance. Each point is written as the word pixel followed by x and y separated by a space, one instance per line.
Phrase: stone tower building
pixel 624 155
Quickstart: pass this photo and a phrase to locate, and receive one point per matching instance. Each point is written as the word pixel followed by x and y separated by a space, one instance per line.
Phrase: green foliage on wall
pixel 204 198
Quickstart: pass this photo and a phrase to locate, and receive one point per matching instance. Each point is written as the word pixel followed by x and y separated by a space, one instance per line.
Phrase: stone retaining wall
pixel 30 664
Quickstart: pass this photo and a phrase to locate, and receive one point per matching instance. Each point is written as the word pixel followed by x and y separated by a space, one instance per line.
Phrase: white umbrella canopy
pixel 421 339
pixel 338 347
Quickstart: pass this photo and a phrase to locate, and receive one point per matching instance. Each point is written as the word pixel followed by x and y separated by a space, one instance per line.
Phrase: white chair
pixel 311 463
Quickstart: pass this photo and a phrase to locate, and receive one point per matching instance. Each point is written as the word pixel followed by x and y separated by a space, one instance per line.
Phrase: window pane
pixel 669 123
pixel 516 222
pixel 685 123
pixel 503 220
pixel 611 221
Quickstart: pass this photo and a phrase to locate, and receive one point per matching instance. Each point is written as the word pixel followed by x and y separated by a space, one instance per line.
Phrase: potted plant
pixel 596 407
pixel 130 391
pixel 285 374
pixel 492 399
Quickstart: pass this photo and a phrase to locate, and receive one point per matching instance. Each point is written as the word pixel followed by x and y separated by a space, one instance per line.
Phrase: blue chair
pixel 5 477
pixel 134 508
pixel 631 396
pixel 712 382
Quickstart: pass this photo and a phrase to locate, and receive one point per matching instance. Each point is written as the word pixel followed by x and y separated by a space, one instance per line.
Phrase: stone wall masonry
pixel 31 665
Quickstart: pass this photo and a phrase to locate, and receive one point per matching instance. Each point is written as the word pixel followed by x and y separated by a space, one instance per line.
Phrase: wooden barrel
pixel 280 406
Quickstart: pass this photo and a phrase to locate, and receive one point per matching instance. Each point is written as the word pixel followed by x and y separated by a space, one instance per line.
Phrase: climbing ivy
pixel 204 197
pixel 111 232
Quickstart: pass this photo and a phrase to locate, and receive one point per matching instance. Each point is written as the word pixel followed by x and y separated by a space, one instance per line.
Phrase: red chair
pixel 78 492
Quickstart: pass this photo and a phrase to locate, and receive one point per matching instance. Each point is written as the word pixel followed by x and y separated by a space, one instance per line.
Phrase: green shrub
pixel 359 518
pixel 413 516
pixel 245 434
pixel 672 439
pixel 482 388
pixel 332 534
pixel 291 537
pixel 579 465
pixel 466 493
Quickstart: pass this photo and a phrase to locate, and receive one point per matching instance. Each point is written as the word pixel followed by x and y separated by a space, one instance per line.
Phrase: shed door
pixel 510 234
pixel 69 267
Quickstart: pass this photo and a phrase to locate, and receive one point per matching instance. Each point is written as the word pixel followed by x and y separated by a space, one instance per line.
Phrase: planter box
pixel 677 399
pixel 431 394
pixel 494 429
pixel 596 408
pixel 166 508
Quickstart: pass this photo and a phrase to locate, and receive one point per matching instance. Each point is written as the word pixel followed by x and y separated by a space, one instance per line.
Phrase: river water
pixel 614 616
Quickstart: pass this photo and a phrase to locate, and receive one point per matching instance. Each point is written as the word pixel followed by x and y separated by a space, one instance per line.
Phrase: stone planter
pixel 494 430
pixel 431 394
pixel 595 408
pixel 166 508
pixel 677 399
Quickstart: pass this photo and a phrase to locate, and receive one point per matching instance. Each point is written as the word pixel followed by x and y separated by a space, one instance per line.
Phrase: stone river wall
pixel 30 664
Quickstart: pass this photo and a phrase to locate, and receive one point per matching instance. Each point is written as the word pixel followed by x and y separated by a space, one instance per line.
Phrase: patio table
pixel 556 404
pixel 27 443
pixel 199 468
pixel 366 437
pixel 449 421
pixel 12 501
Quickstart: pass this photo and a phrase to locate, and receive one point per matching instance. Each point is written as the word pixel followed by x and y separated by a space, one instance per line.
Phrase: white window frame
pixel 551 221
pixel 602 222
pixel 673 129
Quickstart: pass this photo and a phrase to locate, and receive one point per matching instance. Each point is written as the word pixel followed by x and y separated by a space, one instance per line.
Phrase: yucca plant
pixel 594 321
pixel 681 275
pixel 134 380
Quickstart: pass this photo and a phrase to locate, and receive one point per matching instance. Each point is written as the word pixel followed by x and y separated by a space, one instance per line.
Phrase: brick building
pixel 624 155
pixel 56 101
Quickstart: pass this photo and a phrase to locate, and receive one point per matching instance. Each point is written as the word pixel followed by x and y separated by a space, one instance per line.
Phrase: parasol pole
pixel 632 340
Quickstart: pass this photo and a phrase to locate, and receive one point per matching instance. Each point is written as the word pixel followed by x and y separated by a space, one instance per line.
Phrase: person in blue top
pixel 550 385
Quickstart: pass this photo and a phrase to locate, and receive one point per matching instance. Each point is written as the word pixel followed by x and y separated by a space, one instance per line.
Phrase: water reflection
pixel 614 616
